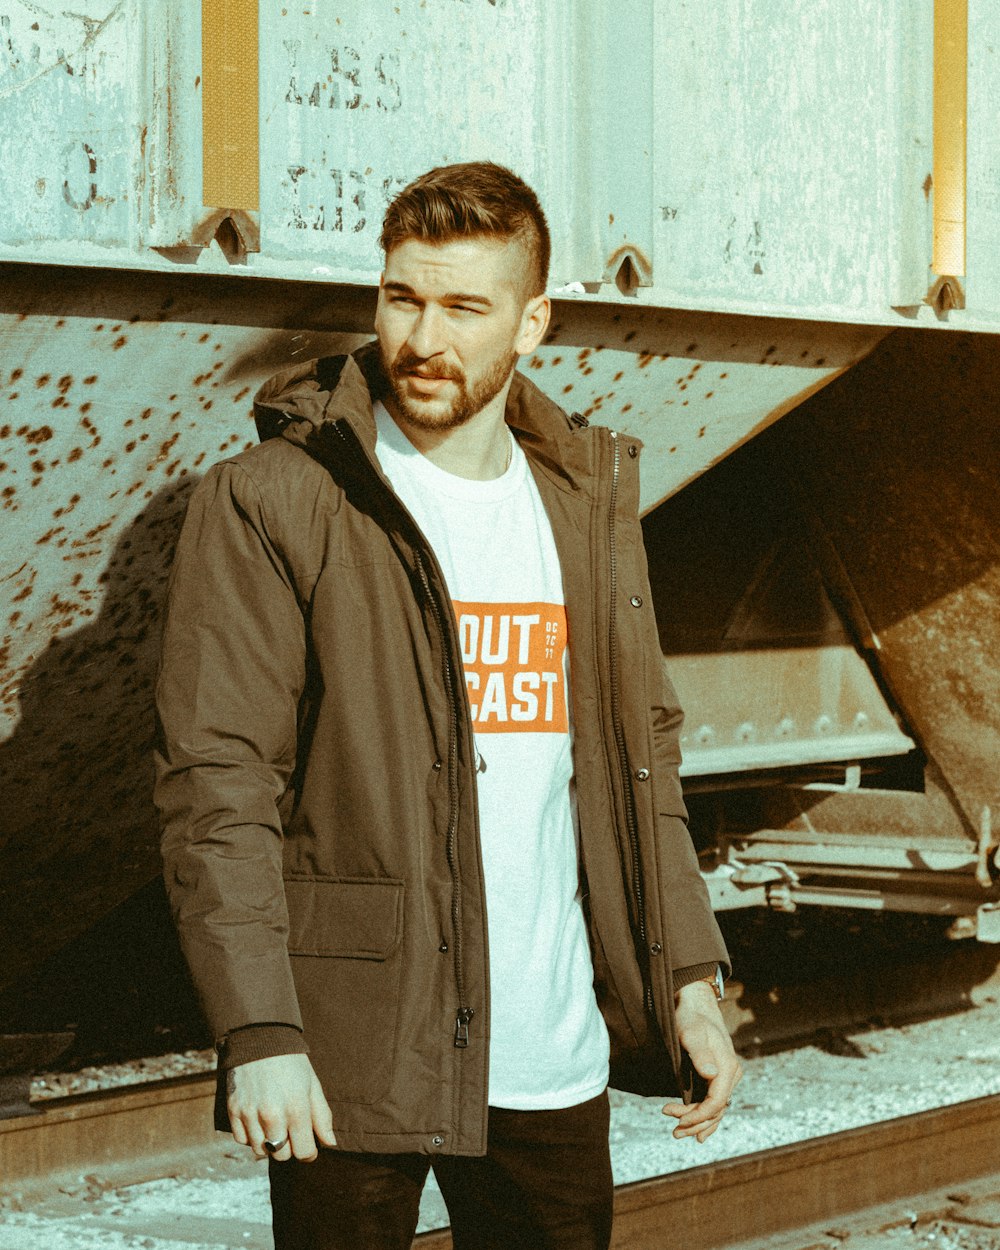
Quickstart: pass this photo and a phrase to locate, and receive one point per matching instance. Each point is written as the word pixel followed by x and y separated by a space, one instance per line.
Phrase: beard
pixel 428 413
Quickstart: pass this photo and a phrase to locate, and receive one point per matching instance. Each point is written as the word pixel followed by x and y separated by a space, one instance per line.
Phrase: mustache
pixel 409 363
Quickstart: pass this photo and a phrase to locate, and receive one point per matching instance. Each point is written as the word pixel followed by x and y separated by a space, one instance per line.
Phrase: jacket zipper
pixel 631 823
pixel 464 1014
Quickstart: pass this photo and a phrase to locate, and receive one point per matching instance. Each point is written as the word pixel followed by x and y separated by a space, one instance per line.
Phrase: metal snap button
pixel 635 601
pixel 443 947
pixel 437 1140
pixel 437 766
pixel 633 451
pixel 642 774
pixel 656 949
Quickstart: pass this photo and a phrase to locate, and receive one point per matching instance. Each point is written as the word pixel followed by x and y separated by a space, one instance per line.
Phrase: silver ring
pixel 272 1147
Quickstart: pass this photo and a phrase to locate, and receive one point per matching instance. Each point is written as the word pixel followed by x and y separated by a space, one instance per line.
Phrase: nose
pixel 426 337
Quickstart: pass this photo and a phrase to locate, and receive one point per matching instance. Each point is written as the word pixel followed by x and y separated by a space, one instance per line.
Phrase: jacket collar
pixel 297 403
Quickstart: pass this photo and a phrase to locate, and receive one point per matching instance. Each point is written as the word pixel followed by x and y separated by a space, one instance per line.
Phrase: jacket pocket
pixel 345 942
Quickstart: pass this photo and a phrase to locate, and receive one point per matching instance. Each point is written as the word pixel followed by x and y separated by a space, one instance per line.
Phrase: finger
pixel 239 1129
pixel 322 1115
pixel 273 1128
pixel 700 1131
pixel 301 1142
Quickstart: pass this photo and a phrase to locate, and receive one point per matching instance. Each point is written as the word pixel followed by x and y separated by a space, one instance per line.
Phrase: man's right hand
pixel 269 1099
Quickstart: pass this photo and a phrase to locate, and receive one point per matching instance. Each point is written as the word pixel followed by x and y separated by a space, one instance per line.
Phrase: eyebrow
pixel 452 297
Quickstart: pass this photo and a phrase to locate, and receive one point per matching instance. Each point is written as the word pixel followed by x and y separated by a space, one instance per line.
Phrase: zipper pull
pixel 465 1014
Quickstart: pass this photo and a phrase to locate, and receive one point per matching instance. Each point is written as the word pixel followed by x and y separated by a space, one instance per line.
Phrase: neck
pixel 479 449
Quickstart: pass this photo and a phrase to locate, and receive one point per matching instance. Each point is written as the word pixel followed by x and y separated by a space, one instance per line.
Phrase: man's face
pixel 452 320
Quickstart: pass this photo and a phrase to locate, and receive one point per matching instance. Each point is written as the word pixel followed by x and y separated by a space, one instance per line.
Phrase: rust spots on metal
pixel 90 380
pixel 119 342
pixel 34 437
pixel 65 511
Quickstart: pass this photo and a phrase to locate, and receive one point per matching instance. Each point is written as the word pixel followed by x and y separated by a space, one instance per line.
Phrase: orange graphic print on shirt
pixel 513 656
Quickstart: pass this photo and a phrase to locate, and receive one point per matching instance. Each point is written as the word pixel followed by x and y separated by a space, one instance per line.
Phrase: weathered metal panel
pixel 761 156
pixel 68 128
pixel 356 106
pixel 983 157
pixel 780 141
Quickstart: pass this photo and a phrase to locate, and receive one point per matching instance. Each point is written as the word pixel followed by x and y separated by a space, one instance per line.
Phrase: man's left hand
pixel 704 1036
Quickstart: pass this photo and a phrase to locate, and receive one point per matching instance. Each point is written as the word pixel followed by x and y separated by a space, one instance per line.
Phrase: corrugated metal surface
pixel 764 156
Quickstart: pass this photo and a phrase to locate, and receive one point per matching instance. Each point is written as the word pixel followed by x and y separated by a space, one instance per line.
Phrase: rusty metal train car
pixel 776 229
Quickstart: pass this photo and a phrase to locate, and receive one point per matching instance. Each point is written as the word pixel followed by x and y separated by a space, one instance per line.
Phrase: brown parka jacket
pixel 316 776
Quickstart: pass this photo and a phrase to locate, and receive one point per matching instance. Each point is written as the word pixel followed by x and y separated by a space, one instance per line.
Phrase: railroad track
pixel 860 1177
pixel 797 1194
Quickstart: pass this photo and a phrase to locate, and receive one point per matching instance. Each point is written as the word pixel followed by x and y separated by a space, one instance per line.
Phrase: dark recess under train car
pixel 871 511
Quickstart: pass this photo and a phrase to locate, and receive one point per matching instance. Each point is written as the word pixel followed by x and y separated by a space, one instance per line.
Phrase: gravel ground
pixel 93 1077
pixel 220 1200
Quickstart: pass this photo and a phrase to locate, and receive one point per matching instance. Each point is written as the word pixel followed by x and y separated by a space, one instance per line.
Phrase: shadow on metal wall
pixel 78 826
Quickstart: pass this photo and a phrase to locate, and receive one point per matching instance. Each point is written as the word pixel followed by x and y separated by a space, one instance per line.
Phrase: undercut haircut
pixel 463 201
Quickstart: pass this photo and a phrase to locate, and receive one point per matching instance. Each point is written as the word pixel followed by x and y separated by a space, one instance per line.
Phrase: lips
pixel 426 383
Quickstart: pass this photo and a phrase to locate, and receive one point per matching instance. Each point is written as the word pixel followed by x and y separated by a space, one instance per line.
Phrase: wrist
pixel 711 985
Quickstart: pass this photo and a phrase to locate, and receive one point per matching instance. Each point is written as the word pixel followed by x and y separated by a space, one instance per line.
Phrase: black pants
pixel 544 1184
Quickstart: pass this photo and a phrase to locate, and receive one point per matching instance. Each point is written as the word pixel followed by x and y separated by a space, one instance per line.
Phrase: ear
pixel 534 323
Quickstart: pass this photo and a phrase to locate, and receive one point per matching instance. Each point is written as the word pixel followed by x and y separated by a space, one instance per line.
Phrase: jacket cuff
pixel 259 1041
pixel 695 972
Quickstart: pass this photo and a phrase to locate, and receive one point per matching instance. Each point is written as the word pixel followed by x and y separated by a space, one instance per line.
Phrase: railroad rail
pixel 765 1195
pixel 774 1193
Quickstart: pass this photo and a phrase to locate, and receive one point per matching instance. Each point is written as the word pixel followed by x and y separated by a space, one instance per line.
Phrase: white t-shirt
pixel 548 1041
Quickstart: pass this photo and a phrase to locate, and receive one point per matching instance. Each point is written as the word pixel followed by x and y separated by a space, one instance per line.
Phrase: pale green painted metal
pixel 759 156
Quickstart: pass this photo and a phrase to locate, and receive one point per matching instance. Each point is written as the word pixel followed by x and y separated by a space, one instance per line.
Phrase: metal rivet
pixel 636 601
pixel 443 947
pixel 656 949
pixel 437 1140
pixel 642 774
pixel 633 451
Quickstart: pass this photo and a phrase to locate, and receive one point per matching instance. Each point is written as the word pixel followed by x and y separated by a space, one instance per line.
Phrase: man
pixel 423 831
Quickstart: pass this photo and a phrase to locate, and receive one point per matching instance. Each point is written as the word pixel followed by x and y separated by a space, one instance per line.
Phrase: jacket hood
pixel 297 403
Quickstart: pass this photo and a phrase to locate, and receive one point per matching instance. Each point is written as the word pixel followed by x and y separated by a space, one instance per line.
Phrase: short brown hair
pixel 476 198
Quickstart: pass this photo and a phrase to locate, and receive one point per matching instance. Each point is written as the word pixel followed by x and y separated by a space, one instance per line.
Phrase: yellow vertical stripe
pixel 229 104
pixel 951 52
